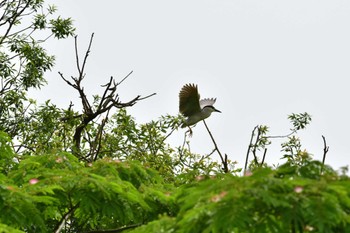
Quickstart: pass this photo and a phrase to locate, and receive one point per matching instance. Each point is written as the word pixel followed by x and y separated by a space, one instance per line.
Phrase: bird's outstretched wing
pixel 206 102
pixel 189 100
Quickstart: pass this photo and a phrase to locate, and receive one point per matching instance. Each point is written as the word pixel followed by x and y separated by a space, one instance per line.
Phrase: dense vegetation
pixel 97 170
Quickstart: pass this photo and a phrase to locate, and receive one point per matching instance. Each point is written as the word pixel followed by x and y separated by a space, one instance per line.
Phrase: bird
pixel 192 107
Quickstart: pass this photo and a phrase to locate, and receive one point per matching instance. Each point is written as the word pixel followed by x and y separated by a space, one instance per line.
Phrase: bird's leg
pixel 189 131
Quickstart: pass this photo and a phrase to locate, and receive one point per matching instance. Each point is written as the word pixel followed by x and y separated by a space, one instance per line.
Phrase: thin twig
pixel 248 151
pixel 224 162
pixel 77 53
pixel 263 158
pixel 124 78
pixel 99 136
pixel 87 54
pixel 325 151
pixel 256 145
pixel 281 136
pixel 168 135
pixel 146 97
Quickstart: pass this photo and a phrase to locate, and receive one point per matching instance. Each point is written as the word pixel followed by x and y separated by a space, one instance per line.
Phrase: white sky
pixel 262 60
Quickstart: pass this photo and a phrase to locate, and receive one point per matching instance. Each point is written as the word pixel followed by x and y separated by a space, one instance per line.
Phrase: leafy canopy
pixel 96 169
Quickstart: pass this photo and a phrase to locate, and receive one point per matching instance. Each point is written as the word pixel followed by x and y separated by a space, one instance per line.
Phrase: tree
pixel 96 169
pixel 25 26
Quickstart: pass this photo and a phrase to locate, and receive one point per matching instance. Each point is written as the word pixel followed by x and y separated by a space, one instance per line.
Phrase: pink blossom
pixel 59 160
pixel 248 173
pixel 218 197
pixel 298 189
pixel 200 177
pixel 33 181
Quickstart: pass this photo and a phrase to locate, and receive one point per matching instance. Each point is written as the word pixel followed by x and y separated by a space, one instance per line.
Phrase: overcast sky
pixel 262 60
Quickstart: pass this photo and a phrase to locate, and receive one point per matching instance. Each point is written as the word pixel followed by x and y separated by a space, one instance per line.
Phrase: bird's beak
pixel 217 110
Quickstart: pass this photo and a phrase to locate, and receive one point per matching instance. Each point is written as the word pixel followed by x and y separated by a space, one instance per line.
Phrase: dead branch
pixel 255 146
pixel 249 148
pixel 110 99
pixel 223 160
pixel 263 158
pixel 325 151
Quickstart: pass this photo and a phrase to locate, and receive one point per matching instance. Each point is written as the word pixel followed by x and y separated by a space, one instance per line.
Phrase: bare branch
pixel 86 56
pixel 146 97
pixel 103 99
pixel 77 53
pixel 108 100
pixel 263 159
pixel 325 151
pixel 69 83
pixel 223 161
pixel 249 147
pixel 98 138
pixel 125 78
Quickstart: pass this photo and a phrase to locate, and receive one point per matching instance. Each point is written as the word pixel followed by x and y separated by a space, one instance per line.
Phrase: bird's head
pixel 210 108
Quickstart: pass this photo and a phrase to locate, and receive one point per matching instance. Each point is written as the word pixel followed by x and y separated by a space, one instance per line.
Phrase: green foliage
pixel 262 202
pixel 6 229
pixel 292 148
pixel 49 129
pixel 125 139
pixel 61 28
pixel 66 170
pixel 299 121
pixel 107 193
pixel 6 154
pixel 23 60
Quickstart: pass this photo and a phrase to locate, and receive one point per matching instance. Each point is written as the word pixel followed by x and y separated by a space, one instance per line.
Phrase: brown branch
pixel 325 151
pixel 99 137
pixel 77 53
pixel 85 102
pixel 86 55
pixel 146 97
pixel 124 78
pixel 109 100
pixel 108 88
pixel 223 161
pixel 263 159
pixel 256 145
pixel 249 147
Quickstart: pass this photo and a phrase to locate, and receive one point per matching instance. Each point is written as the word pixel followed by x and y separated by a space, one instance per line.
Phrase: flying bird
pixel 192 107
